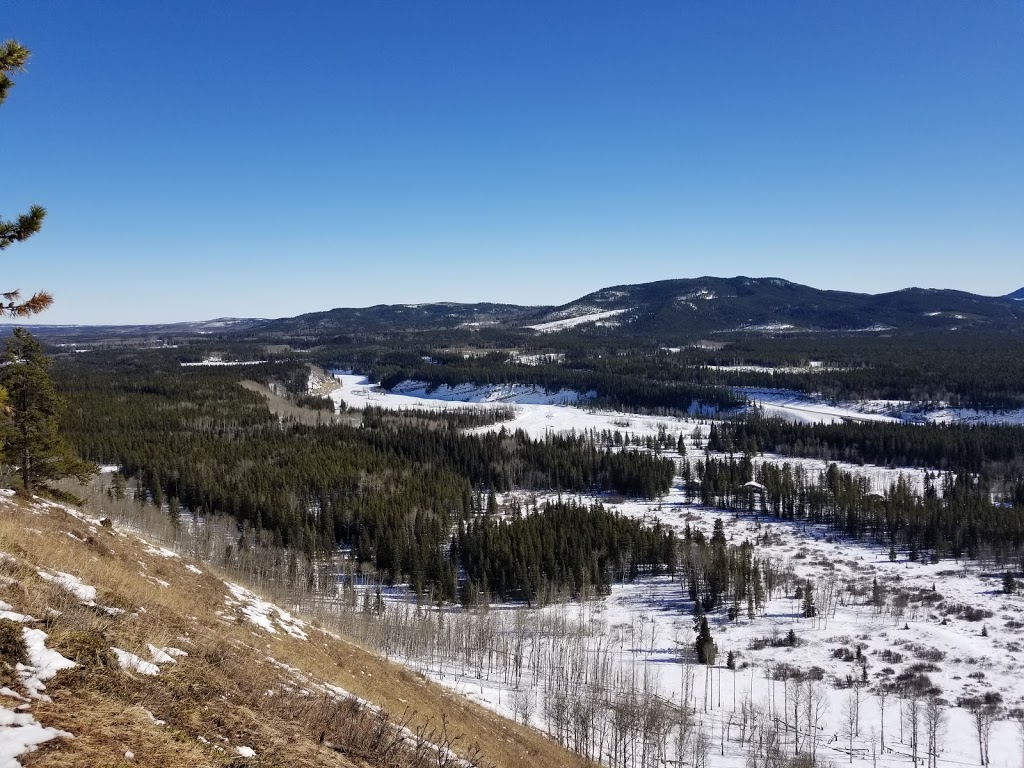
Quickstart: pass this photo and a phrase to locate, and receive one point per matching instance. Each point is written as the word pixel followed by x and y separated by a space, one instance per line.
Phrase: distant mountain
pixel 401 317
pixel 218 326
pixel 667 311
pixel 773 305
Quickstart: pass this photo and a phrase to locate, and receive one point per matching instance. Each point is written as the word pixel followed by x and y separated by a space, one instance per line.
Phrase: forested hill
pixel 666 311
pixel 670 308
pixel 1018 295
pixel 712 304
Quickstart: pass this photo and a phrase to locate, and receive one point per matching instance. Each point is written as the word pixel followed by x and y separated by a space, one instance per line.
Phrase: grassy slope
pixel 215 699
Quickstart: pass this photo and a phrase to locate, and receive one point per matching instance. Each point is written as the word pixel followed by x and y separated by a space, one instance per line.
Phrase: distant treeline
pixel 986 449
pixel 580 548
pixel 195 441
pixel 604 388
pixel 969 369
pixel 953 517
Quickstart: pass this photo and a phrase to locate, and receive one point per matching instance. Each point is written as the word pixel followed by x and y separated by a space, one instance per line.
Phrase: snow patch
pixel 160 552
pixel 72 584
pixel 134 663
pixel 43 663
pixel 159 655
pixel 265 615
pixel 20 733
pixel 572 322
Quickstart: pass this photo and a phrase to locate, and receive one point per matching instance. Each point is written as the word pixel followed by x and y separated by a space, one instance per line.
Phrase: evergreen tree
pixel 705 644
pixel 809 609
pixel 877 596
pixel 12 59
pixel 30 431
pixel 1009 584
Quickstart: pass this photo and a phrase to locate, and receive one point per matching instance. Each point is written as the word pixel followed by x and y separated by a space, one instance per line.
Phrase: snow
pixel 214 363
pixel 359 392
pixel 7 612
pixel 812 367
pixel 572 322
pixel 43 663
pixel 946 415
pixel 159 656
pixel 160 552
pixel 641 626
pixel 72 584
pixel 265 615
pixel 801 407
pixel 192 569
pixel 134 663
pixel 21 733
pixel 246 751
pixel 539 412
pixel 503 394
pixel 539 359
pixel 876 328
pixel 798 407
pixel 702 294
pixel 767 327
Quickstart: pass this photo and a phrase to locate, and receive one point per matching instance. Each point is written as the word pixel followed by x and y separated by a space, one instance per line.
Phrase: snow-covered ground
pixel 801 407
pixel 926 620
pixel 215 362
pixel 571 322
pixel 359 392
pixel 640 627
pixel 535 414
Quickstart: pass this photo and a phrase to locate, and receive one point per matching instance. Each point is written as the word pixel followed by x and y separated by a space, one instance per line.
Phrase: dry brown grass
pixel 215 699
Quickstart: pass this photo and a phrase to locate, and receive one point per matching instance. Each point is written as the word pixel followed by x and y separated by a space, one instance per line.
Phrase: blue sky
pixel 249 158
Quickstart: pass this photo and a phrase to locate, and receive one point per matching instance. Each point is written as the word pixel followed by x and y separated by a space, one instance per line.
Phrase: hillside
pixel 713 304
pixel 117 652
pixel 670 309
pixel 667 310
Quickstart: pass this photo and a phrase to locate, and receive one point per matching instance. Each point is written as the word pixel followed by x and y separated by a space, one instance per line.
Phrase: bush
pixel 89 650
pixel 12 651
pixel 890 656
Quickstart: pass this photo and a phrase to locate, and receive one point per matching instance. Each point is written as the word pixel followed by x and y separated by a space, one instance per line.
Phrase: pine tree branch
pixel 12 59
pixel 22 229
pixel 33 306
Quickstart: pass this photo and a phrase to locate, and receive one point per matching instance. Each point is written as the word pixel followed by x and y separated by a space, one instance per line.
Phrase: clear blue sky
pixel 249 158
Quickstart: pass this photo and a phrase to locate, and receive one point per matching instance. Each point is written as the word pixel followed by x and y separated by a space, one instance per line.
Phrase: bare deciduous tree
pixel 934 728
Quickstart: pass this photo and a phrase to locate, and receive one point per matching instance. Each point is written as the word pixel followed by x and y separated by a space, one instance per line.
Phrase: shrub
pixel 12 651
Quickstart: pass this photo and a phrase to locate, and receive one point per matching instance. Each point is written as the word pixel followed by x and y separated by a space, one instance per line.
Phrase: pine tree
pixel 810 610
pixel 30 432
pixel 705 644
pixel 1009 584
pixel 12 59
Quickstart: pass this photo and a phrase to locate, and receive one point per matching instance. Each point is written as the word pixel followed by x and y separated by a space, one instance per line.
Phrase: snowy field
pixel 535 407
pixel 949 621
pixel 596 317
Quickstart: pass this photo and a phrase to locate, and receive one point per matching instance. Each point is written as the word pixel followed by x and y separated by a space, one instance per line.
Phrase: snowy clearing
pixel 264 615
pixel 572 322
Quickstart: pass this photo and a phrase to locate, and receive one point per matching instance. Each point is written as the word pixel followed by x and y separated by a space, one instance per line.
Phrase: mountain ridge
pixel 659 309
pixel 668 308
